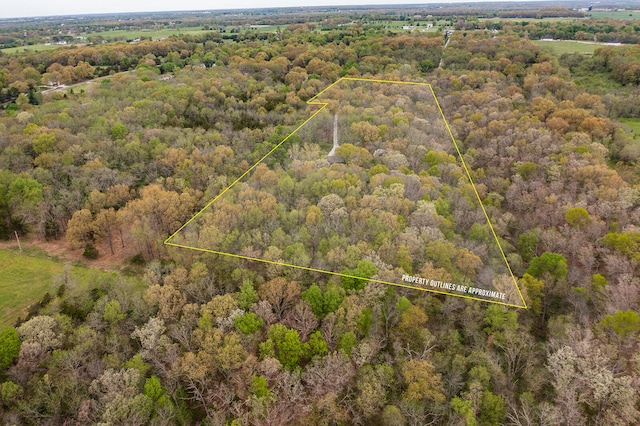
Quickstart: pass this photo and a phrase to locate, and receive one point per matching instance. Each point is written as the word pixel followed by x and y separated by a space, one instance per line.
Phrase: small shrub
pixel 90 251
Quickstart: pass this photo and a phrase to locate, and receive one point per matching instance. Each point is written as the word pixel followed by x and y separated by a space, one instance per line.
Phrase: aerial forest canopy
pixel 388 153
pixel 108 148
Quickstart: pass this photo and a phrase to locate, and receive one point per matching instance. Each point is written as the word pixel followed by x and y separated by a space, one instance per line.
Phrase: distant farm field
pixel 533 20
pixel 261 28
pixel 31 48
pixel 560 47
pixel 422 26
pixel 147 33
pixel 117 35
pixel 622 14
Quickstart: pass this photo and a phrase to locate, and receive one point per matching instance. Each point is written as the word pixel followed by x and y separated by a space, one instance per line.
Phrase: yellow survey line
pixel 322 271
pixel 244 174
pixel 475 190
pixel 322 105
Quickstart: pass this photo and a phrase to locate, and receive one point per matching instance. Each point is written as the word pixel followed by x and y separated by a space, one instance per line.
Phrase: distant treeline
pixel 554 12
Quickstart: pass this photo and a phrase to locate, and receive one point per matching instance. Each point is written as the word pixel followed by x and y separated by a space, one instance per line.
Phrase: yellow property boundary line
pixel 322 105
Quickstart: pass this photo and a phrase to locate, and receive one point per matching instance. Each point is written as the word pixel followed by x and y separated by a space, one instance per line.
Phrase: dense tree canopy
pixel 120 163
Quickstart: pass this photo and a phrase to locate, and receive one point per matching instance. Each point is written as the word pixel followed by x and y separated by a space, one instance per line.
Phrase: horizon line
pixel 384 4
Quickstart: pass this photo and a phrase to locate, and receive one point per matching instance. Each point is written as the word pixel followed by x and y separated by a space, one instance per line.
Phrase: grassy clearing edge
pixel 26 277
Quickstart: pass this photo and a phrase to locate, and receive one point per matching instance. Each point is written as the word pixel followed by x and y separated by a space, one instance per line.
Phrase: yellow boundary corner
pixel 322 105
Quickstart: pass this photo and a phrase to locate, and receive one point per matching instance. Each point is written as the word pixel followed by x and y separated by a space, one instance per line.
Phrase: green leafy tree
pixel 322 304
pixel 285 345
pixel 535 292
pixel 426 65
pixel 403 304
pixel 625 324
pixel 577 217
pixel 492 409
pixel 332 300
pixel 249 323
pixel 25 196
pixel 364 321
pixel 551 269
pixel 357 278
pixel 528 244
pixel 162 402
pixel 626 242
pixel 464 408
pixel 118 131
pixel 404 259
pixel 479 233
pixel 347 342
pixel 352 154
pixel 259 387
pixel 551 265
pixel 598 282
pixel 527 169
pixel 247 296
pixel 500 320
pixel 44 143
pixel 314 296
pixel 9 346
pixel 316 346
pixel 153 388
pixel 137 363
pixel 113 312
pixel 11 393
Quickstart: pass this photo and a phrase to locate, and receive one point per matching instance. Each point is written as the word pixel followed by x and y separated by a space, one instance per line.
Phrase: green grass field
pixel 32 48
pixel 262 28
pixel 560 47
pixel 133 34
pixel 23 281
pixel 26 277
pixel 533 20
pixel 110 36
pixel 626 14
pixel 397 25
pixel 633 124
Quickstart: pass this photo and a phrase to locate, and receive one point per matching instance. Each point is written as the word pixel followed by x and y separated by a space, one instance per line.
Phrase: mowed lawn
pixel 23 280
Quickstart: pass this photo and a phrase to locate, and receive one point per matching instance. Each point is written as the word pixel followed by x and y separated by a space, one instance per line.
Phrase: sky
pixel 27 8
